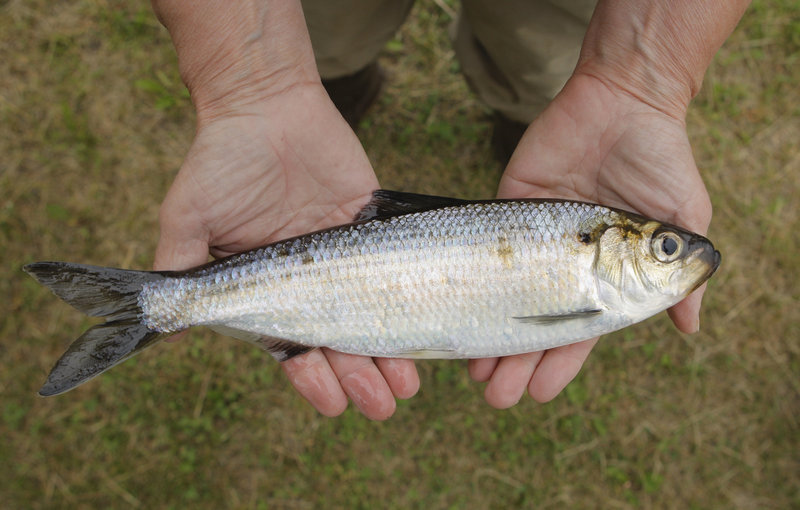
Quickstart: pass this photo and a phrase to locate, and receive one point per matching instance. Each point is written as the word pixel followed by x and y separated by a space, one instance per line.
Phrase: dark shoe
pixel 506 136
pixel 355 93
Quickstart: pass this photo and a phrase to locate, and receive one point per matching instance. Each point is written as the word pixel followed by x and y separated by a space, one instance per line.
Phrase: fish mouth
pixel 701 249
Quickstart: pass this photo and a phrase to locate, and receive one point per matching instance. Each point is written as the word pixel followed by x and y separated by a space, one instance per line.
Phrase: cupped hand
pixel 270 170
pixel 600 144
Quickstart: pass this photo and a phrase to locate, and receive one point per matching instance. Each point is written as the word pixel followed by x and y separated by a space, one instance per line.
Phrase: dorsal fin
pixel 387 203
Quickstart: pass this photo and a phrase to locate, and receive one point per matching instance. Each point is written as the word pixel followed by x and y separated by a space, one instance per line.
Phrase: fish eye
pixel 667 246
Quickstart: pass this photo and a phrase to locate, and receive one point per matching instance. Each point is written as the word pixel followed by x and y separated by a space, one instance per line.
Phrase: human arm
pixel 616 135
pixel 271 158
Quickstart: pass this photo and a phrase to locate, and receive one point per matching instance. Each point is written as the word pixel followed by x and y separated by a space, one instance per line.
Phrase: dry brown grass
pixel 93 125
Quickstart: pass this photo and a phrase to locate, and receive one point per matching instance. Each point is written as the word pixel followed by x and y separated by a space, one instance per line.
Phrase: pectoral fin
pixel 559 317
pixel 280 348
pixel 426 354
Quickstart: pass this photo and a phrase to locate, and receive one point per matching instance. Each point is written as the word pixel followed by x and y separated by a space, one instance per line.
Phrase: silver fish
pixel 413 276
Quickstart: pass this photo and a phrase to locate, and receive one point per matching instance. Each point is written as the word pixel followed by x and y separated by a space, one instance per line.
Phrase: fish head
pixel 644 266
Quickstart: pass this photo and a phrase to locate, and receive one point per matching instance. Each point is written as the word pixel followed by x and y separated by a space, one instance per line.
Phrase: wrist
pixel 234 54
pixel 657 51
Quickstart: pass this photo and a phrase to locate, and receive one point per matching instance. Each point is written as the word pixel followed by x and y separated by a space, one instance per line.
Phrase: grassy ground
pixel 93 125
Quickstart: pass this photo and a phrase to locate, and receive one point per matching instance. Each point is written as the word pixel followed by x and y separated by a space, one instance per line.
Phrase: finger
pixel 557 368
pixel 313 378
pixel 401 376
pixel 686 314
pixel 363 383
pixel 510 379
pixel 482 369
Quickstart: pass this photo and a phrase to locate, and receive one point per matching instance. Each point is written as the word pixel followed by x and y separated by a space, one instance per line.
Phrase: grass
pixel 93 125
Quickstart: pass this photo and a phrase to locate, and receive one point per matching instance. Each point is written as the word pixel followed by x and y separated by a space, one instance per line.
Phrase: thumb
pixel 695 215
pixel 174 253
pixel 686 314
pixel 183 241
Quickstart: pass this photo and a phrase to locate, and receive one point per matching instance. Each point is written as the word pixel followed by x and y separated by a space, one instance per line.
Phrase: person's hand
pixel 270 170
pixel 599 144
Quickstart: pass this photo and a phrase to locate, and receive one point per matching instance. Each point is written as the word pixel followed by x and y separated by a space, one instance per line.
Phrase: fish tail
pixel 98 292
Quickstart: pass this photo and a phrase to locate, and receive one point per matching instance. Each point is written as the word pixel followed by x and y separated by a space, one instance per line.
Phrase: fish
pixel 412 276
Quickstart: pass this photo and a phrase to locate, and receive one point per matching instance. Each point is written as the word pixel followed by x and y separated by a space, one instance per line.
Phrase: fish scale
pixel 411 284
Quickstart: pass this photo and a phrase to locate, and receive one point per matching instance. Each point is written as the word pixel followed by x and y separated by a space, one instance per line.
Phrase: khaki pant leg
pixel 348 34
pixel 518 54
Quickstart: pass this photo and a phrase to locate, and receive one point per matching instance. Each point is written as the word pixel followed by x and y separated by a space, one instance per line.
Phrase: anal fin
pixel 280 348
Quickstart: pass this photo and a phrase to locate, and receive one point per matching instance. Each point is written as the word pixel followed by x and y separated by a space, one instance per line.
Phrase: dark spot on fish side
pixel 585 237
pixel 505 251
pixel 280 250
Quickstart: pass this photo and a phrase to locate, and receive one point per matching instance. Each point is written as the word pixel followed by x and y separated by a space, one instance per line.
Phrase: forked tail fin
pixel 98 292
